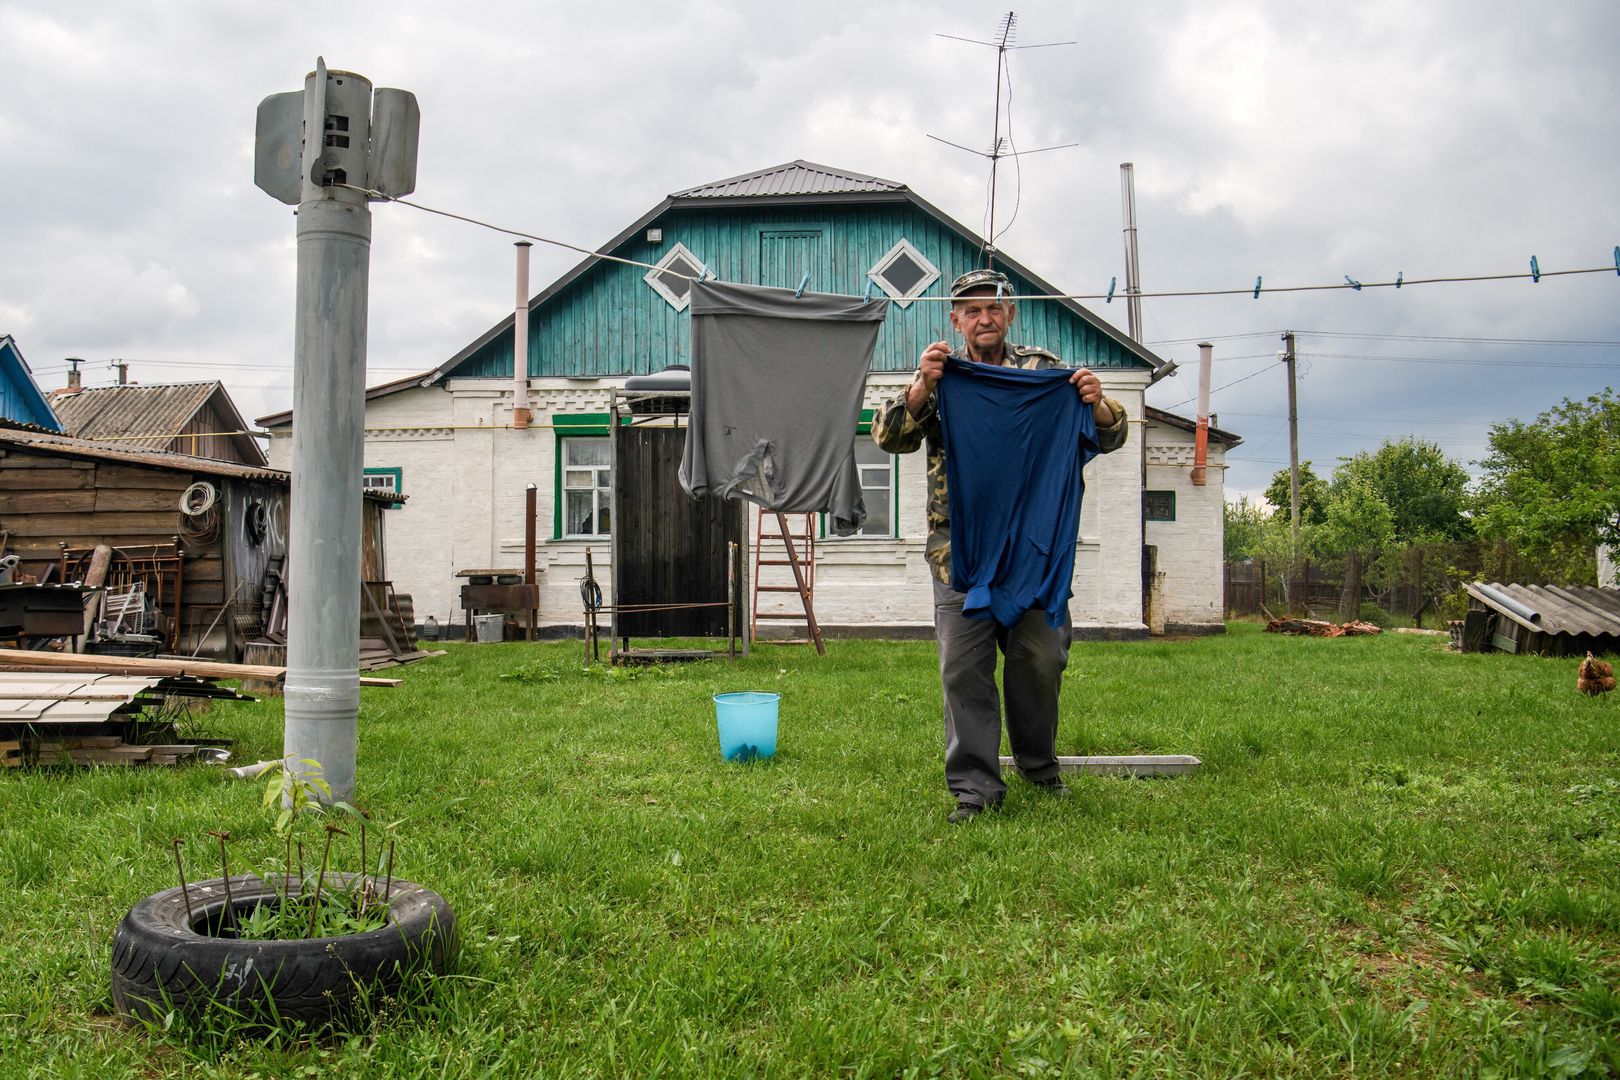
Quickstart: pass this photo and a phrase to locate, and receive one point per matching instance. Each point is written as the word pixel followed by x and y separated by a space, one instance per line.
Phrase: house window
pixel 673 278
pixel 1159 505
pixel 381 479
pixel 903 273
pixel 587 486
pixel 876 469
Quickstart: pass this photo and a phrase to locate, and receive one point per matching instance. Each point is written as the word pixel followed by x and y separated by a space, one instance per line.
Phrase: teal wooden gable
pixel 20 397
pixel 604 319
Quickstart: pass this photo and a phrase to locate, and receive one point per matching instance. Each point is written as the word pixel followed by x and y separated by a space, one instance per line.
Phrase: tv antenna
pixel 1001 146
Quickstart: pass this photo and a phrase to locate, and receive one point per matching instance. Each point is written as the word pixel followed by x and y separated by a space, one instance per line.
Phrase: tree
pixel 1356 526
pixel 1554 483
pixel 1313 494
pixel 1244 520
pixel 1426 492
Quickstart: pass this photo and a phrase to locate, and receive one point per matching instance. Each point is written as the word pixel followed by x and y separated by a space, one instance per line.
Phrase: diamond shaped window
pixel 674 276
pixel 903 273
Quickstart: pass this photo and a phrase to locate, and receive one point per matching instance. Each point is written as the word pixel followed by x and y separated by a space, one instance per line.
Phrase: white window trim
pixel 893 493
pixel 653 277
pixel 903 247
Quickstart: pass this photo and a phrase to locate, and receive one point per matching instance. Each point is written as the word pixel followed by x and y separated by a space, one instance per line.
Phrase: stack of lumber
pixel 94 750
pixel 1318 628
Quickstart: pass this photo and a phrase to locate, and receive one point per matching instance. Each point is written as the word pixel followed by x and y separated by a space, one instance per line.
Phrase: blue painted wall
pixel 611 322
pixel 21 398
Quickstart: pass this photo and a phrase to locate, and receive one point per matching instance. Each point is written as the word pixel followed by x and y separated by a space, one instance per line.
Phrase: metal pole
pixel 1133 270
pixel 1201 436
pixel 329 362
pixel 529 494
pixel 1293 444
pixel 521 413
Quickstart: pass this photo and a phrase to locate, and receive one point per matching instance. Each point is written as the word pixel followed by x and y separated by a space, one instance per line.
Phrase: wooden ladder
pixel 804 573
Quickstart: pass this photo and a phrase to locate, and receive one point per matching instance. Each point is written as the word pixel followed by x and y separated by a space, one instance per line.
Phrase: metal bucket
pixel 490 628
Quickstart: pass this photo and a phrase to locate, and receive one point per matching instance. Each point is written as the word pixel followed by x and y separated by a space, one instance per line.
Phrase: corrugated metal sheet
pixel 611 322
pixel 28 697
pixel 157 413
pixel 1578 611
pixel 794 178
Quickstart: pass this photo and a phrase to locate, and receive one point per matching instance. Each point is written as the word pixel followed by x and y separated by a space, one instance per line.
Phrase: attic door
pixel 786 255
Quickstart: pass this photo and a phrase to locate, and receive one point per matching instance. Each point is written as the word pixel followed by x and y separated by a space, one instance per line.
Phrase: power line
pixel 1460 339
pixel 1600 366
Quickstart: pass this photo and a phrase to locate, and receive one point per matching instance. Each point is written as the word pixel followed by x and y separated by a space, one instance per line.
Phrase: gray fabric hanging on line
pixel 777 381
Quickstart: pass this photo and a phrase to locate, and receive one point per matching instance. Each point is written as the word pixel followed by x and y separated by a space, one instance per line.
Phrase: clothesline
pixel 1534 274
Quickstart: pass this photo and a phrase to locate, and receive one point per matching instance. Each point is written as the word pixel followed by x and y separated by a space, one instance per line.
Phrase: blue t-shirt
pixel 1015 443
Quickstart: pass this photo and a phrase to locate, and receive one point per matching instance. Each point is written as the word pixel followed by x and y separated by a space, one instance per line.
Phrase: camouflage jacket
pixel 897 431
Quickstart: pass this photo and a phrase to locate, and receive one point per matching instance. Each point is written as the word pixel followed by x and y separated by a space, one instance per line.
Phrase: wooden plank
pixel 108 524
pixel 46 501
pixel 26 660
pixel 45 479
pixel 1505 643
pixel 25 459
pixel 109 475
pixel 123 500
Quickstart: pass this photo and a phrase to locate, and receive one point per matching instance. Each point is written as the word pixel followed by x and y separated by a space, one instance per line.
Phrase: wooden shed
pixel 209 573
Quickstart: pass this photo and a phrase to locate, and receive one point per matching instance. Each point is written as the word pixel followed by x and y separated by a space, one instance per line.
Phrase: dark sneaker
pixel 965 811
pixel 1053 786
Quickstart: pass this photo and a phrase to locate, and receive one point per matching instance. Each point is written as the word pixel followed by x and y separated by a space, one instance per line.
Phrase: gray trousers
pixel 1031 678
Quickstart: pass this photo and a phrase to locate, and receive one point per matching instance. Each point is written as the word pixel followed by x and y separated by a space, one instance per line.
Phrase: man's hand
pixel 1091 393
pixel 930 368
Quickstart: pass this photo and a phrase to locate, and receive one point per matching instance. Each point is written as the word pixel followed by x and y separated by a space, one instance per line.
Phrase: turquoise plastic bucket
pixel 747 724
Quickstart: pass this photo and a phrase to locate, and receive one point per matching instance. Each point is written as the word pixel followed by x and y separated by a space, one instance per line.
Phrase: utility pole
pixel 325 149
pixel 1293 443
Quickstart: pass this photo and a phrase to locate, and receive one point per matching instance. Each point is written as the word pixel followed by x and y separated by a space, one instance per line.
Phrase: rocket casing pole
pixel 329 364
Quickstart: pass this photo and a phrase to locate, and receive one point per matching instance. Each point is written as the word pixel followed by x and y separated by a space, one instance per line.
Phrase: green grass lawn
pixel 1395 861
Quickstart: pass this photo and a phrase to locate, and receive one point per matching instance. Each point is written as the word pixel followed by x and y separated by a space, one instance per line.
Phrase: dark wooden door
pixel 669 548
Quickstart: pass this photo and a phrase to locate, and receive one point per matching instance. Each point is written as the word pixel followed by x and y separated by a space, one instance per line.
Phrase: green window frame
pixel 1158 506
pixel 393 474
pixel 565 428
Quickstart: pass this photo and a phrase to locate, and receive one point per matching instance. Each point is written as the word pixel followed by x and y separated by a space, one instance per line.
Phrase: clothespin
pixel 1399 275
pixel 703 272
pixel 1257 286
pixel 799 292
pixel 1115 281
pixel 1352 282
pixel 1617 258
pixel 1535 271
pixel 998 292
pixel 870 285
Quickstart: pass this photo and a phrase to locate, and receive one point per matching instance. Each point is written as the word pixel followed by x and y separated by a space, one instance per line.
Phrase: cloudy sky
pixel 1302 141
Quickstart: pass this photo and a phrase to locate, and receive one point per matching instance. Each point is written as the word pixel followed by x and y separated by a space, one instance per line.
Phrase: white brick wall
pixel 1189 548
pixel 465 471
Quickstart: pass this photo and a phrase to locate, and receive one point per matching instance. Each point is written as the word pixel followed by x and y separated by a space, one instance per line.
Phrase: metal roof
pixel 149 416
pixel 27 437
pixel 794 178
pixel 1580 610
pixel 1187 424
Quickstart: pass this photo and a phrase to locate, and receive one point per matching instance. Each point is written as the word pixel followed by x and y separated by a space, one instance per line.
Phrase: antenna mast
pixel 1000 147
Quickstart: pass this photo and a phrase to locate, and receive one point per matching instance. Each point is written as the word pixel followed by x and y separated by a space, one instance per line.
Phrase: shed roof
pixel 148 416
pixel 1577 610
pixel 37 440
pixel 1224 437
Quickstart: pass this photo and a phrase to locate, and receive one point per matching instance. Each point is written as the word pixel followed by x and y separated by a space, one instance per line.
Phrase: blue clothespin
pixel 1400 275
pixel 799 292
pixel 1535 271
pixel 703 272
pixel 1257 286
pixel 870 285
pixel 1352 282
pixel 1115 281
pixel 1617 259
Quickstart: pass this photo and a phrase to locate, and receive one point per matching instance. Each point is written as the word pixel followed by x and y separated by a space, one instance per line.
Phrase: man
pixel 1036 653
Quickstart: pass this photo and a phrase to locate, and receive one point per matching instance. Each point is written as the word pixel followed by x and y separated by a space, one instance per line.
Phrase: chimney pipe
pixel 521 415
pixel 75 380
pixel 1201 439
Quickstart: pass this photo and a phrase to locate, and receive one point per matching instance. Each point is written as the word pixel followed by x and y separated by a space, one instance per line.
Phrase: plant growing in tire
pixel 293 944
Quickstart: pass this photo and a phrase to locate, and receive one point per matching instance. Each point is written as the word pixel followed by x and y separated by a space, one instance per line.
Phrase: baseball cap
pixel 979 279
